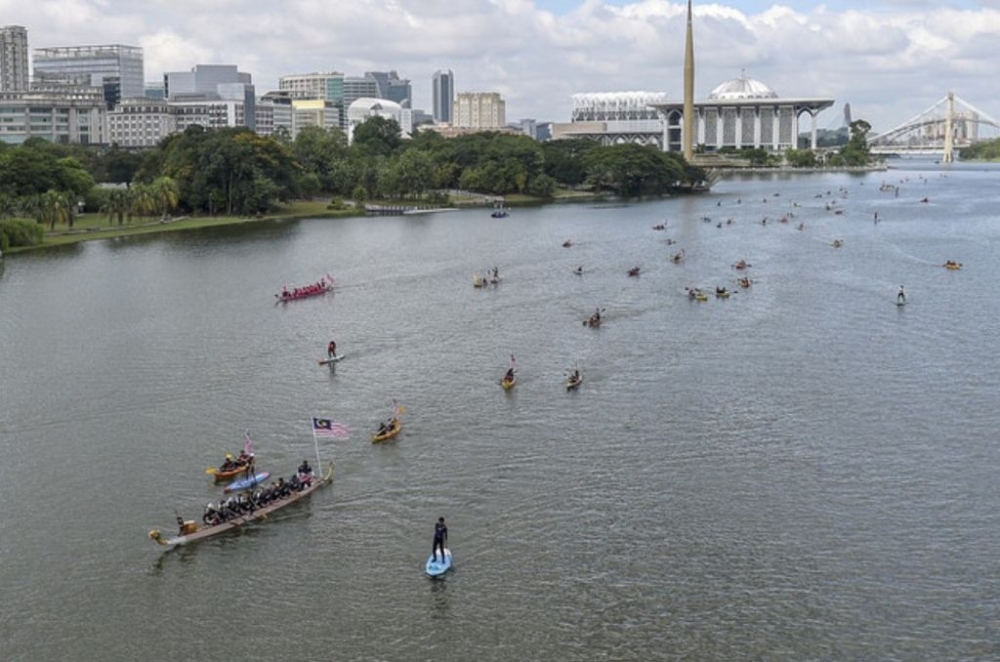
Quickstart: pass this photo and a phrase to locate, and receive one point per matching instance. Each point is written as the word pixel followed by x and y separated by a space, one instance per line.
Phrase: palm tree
pixel 143 200
pixel 53 207
pixel 118 205
pixel 166 194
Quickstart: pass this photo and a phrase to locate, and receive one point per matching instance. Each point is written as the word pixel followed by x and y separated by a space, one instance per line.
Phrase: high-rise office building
pixel 443 96
pixel 115 68
pixel 214 82
pixel 13 58
pixel 359 87
pixel 392 87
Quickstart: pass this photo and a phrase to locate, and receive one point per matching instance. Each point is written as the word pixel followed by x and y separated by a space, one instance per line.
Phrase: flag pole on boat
pixel 319 463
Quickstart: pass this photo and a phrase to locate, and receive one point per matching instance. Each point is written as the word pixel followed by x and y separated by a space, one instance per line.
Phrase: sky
pixel 889 59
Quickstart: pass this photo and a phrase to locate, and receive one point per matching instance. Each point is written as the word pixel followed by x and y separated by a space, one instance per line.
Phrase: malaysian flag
pixel 324 428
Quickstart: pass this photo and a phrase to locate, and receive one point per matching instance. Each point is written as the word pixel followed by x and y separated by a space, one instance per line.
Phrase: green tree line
pixel 234 171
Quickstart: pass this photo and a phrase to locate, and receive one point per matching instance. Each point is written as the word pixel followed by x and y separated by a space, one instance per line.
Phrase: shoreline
pixel 303 209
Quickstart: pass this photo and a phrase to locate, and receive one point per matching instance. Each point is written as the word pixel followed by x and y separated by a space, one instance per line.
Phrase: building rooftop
pixel 742 88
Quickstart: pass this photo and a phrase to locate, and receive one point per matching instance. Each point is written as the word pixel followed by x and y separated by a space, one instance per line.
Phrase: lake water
pixel 801 471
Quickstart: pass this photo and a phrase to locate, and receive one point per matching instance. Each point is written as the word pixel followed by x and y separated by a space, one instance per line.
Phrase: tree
pixel 54 207
pixel 166 195
pixel 120 166
pixel 564 160
pixel 377 136
pixel 632 170
pixel 856 152
pixel 143 200
pixel 800 158
pixel 118 205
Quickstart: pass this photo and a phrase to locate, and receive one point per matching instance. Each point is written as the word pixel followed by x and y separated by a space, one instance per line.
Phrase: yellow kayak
pixel 395 427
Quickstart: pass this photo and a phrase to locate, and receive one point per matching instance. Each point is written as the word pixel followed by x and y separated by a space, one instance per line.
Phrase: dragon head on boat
pixel 157 537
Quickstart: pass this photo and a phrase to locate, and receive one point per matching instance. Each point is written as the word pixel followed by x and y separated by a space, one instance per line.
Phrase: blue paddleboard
pixel 244 483
pixel 439 567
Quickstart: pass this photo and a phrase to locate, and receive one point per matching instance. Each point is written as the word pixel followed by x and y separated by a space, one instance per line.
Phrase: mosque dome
pixel 742 88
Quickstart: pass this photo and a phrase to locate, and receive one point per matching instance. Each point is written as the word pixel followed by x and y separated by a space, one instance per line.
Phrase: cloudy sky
pixel 890 59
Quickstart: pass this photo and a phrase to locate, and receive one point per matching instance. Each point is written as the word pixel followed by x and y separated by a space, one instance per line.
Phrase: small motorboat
pixel 953 266
pixel 567 243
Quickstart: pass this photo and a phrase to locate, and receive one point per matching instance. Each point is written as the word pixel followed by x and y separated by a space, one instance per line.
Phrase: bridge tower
pixel 949 139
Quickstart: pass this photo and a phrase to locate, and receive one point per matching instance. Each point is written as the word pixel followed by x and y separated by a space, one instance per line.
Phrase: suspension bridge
pixel 948 125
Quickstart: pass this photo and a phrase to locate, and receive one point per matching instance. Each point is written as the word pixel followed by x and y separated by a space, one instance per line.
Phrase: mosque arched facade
pixel 742 112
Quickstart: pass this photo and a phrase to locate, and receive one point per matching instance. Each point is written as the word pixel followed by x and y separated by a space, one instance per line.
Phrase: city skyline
pixel 888 59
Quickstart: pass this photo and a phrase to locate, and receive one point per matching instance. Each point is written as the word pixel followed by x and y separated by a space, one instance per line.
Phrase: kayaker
pixel 575 377
pixel 901 296
pixel 331 350
pixel 509 377
pixel 440 539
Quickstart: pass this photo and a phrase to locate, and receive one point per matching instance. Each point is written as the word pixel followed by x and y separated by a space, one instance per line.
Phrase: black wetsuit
pixel 440 538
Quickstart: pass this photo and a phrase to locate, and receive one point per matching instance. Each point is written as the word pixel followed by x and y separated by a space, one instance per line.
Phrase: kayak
pixel 440 566
pixel 244 483
pixel 396 428
pixel 220 475
pixel 333 359
pixel 508 384
pixel 573 383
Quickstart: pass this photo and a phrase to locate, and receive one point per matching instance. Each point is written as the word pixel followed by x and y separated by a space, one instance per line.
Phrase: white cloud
pixel 889 59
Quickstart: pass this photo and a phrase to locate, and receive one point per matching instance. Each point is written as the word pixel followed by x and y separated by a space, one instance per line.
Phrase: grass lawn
pixel 97 226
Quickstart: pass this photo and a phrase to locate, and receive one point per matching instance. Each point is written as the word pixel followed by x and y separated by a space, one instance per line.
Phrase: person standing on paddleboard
pixel 440 539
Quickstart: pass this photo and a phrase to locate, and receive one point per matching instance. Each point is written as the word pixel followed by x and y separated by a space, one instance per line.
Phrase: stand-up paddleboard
pixel 333 359
pixel 439 567
pixel 244 483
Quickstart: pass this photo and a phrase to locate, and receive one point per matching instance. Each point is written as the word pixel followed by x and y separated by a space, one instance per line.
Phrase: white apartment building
pixel 140 122
pixel 480 110
pixel 59 114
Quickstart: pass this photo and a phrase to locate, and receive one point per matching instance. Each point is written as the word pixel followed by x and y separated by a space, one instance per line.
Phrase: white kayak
pixel 436 568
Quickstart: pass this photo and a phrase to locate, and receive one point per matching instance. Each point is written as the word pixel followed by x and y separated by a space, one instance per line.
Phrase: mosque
pixel 742 112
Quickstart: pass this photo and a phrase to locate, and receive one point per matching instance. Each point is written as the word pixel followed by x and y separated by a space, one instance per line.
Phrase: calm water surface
pixel 802 471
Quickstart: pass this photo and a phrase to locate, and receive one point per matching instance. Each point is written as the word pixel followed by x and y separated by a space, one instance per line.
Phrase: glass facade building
pixel 115 68
pixel 443 96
